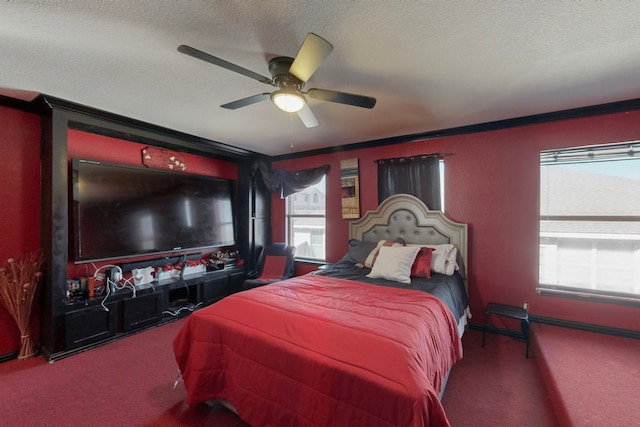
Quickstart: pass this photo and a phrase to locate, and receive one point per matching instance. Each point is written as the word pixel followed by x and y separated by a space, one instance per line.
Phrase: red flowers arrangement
pixel 176 267
pixel 179 266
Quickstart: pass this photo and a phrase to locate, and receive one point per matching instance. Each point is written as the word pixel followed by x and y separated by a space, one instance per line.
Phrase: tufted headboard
pixel 403 216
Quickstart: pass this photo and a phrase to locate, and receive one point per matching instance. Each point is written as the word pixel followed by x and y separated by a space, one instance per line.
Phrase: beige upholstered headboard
pixel 406 217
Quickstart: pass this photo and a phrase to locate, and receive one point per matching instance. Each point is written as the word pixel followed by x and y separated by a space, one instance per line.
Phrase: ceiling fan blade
pixel 313 51
pixel 342 98
pixel 246 101
pixel 308 118
pixel 188 50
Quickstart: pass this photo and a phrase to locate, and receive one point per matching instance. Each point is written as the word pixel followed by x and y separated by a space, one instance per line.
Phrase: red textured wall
pixel 491 183
pixel 20 195
pixel 90 146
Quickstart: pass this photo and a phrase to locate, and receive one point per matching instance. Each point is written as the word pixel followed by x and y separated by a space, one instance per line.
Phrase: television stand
pixel 87 324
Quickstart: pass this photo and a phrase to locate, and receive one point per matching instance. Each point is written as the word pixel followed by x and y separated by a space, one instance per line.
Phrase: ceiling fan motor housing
pixel 279 69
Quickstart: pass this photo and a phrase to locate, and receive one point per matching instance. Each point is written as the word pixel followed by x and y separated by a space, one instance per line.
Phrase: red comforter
pixel 320 351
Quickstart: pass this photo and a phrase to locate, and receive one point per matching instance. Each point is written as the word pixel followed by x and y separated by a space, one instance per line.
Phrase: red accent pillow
pixel 422 264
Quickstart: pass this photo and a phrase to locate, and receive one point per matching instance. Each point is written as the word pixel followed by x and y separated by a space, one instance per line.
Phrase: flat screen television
pixel 123 211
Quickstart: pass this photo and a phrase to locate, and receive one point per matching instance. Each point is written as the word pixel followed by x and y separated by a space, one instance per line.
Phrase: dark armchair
pixel 276 263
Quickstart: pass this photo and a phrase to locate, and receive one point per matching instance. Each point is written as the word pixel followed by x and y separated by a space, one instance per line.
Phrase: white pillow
pixel 394 263
pixel 371 259
pixel 443 258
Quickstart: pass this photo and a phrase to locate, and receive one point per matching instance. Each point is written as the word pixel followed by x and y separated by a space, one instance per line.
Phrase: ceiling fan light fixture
pixel 287 100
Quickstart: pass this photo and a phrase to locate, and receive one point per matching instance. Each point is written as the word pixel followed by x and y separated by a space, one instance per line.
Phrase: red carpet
pixel 593 379
pixel 130 382
pixel 125 383
pixel 499 385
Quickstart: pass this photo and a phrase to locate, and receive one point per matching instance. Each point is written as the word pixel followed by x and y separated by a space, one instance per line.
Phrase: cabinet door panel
pixel 90 325
pixel 142 311
pixel 214 289
pixel 236 280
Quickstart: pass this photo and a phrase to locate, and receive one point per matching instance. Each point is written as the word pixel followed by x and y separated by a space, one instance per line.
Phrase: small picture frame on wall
pixel 350 191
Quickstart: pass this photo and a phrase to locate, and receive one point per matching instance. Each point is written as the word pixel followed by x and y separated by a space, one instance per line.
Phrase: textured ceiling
pixel 431 64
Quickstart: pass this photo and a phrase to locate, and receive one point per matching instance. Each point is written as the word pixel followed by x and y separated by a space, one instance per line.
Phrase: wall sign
pixel 160 158
pixel 350 184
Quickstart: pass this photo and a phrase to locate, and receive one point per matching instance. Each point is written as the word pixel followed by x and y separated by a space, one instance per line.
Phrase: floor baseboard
pixel 589 327
pixel 8 356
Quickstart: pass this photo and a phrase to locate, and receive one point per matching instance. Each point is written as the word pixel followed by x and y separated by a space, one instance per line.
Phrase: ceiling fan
pixel 289 75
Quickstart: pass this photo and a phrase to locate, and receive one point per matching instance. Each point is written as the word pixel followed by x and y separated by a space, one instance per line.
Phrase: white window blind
pixel 306 219
pixel 590 222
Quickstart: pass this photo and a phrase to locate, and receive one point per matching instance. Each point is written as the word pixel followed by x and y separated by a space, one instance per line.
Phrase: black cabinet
pixel 142 311
pixel 88 323
pixel 236 279
pixel 215 288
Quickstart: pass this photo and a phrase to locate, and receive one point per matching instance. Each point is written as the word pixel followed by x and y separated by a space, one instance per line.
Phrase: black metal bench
pixel 512 312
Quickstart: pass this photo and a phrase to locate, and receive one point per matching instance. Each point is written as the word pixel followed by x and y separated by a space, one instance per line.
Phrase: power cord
pixel 178 378
pixel 181 275
pixel 112 283
pixel 191 307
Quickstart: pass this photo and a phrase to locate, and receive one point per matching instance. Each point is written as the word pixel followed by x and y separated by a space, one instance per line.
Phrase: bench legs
pixel 524 330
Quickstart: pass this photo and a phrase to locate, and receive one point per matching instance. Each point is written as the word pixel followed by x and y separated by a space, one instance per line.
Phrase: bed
pixel 406 220
pixel 322 350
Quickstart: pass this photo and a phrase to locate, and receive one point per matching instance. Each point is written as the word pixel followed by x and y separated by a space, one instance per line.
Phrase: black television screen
pixel 123 211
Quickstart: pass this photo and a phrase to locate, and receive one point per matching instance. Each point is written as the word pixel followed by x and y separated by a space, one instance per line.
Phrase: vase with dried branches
pixel 18 284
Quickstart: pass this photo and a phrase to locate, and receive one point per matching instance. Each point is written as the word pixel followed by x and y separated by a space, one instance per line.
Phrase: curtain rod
pixel 619 151
pixel 438 155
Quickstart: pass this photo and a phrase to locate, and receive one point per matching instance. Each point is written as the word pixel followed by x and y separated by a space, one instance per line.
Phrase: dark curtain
pixel 416 175
pixel 286 183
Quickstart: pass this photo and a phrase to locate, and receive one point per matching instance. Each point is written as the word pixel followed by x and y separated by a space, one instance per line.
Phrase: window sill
pixel 310 261
pixel 584 295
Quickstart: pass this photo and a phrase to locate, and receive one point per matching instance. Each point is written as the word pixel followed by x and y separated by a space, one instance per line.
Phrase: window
pixel 306 222
pixel 441 173
pixel 590 222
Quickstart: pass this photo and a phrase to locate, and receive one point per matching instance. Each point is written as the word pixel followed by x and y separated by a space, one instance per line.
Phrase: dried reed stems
pixel 18 285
